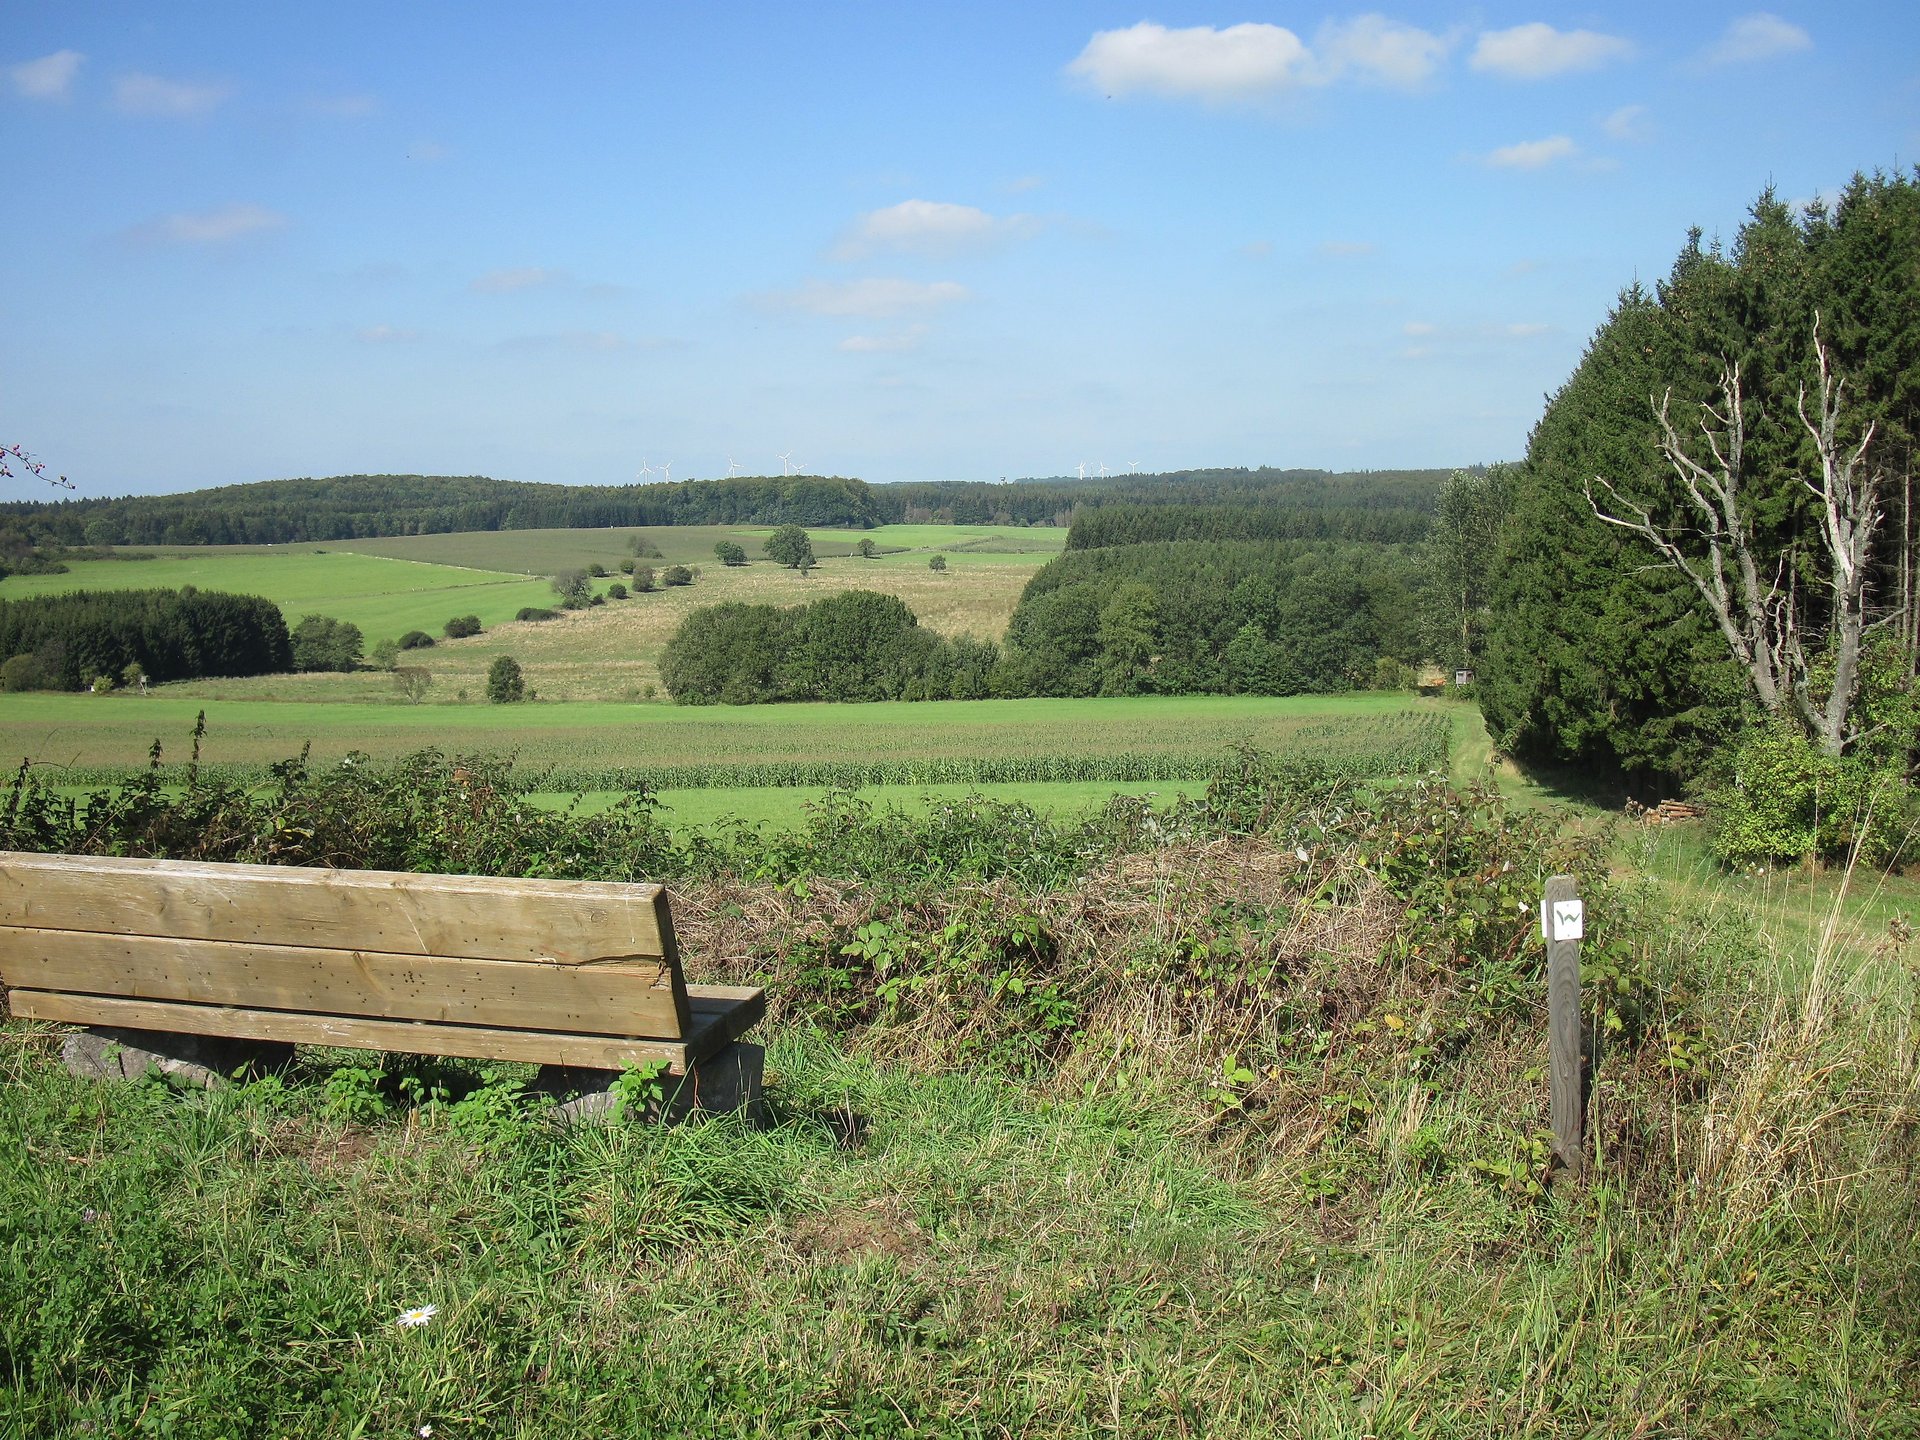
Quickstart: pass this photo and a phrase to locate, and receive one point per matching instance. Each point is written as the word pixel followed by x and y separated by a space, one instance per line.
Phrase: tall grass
pixel 1222 1121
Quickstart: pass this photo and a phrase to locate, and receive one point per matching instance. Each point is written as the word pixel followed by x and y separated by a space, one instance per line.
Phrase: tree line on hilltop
pixel 351 507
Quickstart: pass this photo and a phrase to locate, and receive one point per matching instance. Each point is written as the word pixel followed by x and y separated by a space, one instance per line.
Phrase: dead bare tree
pixel 1712 543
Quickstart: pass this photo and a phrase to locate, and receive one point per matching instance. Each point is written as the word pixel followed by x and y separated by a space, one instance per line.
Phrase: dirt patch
pixel 882 1226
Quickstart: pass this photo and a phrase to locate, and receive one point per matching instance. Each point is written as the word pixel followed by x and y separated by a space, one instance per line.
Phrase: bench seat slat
pixel 564 922
pixel 721 1017
pixel 631 999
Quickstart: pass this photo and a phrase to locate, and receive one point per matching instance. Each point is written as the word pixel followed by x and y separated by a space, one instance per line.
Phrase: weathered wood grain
pixel 1566 1107
pixel 415 1037
pixel 629 999
pixel 566 922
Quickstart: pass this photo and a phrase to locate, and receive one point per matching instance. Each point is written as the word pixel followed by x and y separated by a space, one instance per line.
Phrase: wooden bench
pixel 564 973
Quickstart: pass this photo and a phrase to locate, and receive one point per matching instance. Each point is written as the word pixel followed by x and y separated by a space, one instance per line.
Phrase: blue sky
pixel 900 242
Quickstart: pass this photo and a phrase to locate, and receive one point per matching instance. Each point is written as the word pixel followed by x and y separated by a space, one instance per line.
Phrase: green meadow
pixel 383 596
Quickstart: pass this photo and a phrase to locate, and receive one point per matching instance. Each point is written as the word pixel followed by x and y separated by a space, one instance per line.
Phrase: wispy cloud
pixel 48 78
pixel 1255 61
pixel 156 98
pixel 1022 184
pixel 1629 122
pixel 870 299
pixel 1379 51
pixel 426 151
pixel 231 222
pixel 1257 250
pixel 1533 154
pixel 343 107
pixel 523 277
pixel 1537 51
pixel 893 343
pixel 386 335
pixel 927 227
pixel 1760 36
pixel 1344 249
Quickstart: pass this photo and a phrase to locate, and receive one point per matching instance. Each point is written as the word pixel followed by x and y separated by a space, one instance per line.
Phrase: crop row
pixel 1344 749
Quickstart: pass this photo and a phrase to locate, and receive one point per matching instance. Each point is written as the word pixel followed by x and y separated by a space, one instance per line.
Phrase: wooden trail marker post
pixel 1563 923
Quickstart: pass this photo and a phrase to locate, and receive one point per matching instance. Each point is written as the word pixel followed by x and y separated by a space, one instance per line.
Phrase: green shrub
pixel 1787 800
pixel 535 612
pixel 416 640
pixel 461 626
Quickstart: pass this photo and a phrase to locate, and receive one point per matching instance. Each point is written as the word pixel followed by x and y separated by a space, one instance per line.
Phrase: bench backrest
pixel 210 948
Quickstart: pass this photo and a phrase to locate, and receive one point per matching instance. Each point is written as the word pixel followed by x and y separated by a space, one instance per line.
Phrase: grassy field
pixel 384 597
pixel 115 730
pixel 611 652
pixel 547 551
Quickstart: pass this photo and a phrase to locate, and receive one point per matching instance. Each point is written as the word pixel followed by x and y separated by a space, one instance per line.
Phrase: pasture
pixel 388 587
pixel 384 597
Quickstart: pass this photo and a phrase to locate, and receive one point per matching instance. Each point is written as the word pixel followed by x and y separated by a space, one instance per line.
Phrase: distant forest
pixel 1367 505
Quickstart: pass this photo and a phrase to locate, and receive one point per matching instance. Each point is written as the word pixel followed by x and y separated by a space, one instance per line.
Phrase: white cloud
pixel 1380 50
pixel 1629 122
pixel 899 340
pixel 524 277
pixel 151 96
pixel 1759 36
pixel 1525 330
pixel 1345 249
pixel 48 78
pixel 1241 62
pixel 926 227
pixel 1414 329
pixel 386 335
pixel 870 299
pixel 1020 185
pixel 1533 154
pixel 427 151
pixel 212 227
pixel 344 107
pixel 1257 249
pixel 1536 51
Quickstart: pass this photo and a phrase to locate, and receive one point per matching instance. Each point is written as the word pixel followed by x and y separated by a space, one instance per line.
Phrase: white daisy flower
pixel 413 1319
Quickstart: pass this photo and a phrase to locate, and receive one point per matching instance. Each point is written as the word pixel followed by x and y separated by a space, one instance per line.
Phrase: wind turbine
pixel 785 468
pixel 1132 465
pixel 666 468
pixel 1082 468
pixel 645 469
pixel 731 467
pixel 1103 469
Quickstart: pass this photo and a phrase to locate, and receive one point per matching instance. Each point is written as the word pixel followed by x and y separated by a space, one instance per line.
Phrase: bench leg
pixel 721 1083
pixel 199 1062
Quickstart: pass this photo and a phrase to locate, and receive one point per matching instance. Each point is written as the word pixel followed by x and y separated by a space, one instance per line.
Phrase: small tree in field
pixel 937 564
pixel 412 681
pixel 505 683
pixel 574 589
pixel 790 546
pixel 867 548
pixel 642 579
pixel 730 553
